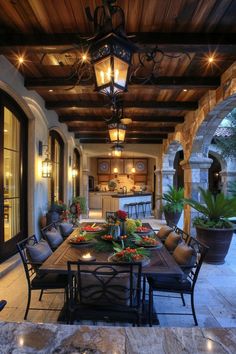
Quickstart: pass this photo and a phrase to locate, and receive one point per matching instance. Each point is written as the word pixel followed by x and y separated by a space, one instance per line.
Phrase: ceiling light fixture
pixel 117 150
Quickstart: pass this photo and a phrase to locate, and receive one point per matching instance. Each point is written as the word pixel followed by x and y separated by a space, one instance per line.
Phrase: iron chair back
pixel 36 281
pixel 98 287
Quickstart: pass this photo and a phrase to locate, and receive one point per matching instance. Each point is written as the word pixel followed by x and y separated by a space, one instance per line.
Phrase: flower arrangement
pixel 121 215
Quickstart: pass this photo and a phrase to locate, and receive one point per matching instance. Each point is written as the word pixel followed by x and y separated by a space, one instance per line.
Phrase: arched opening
pixel 76 178
pixel 56 150
pixel 13 175
pixel 214 180
pixel 179 172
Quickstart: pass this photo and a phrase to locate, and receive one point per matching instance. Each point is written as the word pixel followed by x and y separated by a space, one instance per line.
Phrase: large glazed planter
pixel 218 241
pixel 172 218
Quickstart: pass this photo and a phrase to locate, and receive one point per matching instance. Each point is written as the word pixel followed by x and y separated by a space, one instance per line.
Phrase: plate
pixel 159 245
pixel 74 243
pixel 96 229
pixel 145 260
pixel 147 232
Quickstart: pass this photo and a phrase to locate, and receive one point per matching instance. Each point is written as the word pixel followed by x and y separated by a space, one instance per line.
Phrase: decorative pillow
pixel 164 232
pixel 172 241
pixel 39 252
pixel 185 256
pixel 54 238
pixel 66 229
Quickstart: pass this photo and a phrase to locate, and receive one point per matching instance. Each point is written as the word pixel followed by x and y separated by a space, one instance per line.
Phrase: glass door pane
pixel 11 175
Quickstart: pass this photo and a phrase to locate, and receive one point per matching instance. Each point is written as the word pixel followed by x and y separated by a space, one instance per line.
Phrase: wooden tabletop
pixel 161 261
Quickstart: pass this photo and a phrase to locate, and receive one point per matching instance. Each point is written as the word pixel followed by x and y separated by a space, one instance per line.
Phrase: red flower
pixel 121 215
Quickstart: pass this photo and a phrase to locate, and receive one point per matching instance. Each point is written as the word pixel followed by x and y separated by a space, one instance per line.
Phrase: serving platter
pixel 113 258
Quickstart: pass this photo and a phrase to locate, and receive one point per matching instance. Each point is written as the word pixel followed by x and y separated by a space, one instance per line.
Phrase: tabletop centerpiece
pixel 129 254
pixel 147 242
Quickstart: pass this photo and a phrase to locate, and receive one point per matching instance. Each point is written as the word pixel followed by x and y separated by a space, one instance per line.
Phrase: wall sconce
pixel 74 172
pixel 46 163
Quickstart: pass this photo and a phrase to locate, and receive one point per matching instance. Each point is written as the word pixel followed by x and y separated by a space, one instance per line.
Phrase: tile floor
pixel 215 296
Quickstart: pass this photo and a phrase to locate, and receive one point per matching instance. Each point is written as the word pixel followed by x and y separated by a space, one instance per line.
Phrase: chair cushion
pixel 172 241
pixel 169 283
pixel 49 281
pixel 164 232
pixel 66 229
pixel 54 238
pixel 39 252
pixel 185 256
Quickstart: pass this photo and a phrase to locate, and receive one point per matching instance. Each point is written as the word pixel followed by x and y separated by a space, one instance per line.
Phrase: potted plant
pixel 213 227
pixel 112 185
pixel 173 206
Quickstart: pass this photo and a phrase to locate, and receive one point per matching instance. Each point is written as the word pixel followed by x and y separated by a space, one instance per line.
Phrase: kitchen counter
pixel 130 195
pixel 56 338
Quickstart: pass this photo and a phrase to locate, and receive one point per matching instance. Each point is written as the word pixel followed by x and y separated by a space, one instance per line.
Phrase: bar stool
pixel 148 209
pixel 132 209
pixel 141 208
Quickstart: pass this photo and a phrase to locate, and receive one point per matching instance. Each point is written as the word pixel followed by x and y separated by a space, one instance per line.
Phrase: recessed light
pixel 211 59
pixel 5 131
pixel 185 90
pixel 21 59
pixel 50 90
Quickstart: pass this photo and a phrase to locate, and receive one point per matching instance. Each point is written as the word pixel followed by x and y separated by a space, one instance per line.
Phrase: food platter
pixel 113 258
pixel 76 241
pixel 142 230
pixel 92 229
pixel 140 244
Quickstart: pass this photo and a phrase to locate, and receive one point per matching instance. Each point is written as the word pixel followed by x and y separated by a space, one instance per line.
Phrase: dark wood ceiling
pixel 49 29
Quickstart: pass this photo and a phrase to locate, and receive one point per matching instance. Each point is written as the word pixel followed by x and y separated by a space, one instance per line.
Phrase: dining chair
pixel 181 286
pixel 33 253
pixel 104 291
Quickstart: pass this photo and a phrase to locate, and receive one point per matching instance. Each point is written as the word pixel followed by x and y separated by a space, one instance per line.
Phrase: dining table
pixel 161 261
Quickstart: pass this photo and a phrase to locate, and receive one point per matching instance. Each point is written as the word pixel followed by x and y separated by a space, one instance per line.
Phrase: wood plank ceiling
pixel 44 31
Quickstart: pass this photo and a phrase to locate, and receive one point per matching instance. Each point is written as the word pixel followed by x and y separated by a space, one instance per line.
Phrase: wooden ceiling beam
pixel 135 129
pixel 127 141
pixel 164 82
pixel 169 105
pixel 129 135
pixel 168 42
pixel 155 119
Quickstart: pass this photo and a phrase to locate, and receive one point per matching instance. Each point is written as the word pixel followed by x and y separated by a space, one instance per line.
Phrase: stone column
pixel 84 190
pixel 164 179
pixel 195 176
pixel 226 178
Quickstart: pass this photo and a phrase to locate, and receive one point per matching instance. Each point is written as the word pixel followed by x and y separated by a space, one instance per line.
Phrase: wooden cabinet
pixel 104 178
pixel 140 178
pixel 119 164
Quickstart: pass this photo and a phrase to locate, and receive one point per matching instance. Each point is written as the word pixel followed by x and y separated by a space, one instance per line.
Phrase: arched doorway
pixel 13 175
pixel 214 180
pixel 179 172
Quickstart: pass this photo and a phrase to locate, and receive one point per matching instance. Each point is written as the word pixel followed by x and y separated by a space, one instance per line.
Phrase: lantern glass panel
pixel 120 72
pixel 103 72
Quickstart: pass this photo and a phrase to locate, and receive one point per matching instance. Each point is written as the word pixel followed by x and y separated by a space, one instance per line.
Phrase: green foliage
pixel 82 203
pixel 174 199
pixel 138 222
pixel 130 226
pixel 215 211
pixel 227 145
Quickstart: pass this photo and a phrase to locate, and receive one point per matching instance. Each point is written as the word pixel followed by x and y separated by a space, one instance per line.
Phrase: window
pixel 56 150
pixel 76 179
pixel 13 175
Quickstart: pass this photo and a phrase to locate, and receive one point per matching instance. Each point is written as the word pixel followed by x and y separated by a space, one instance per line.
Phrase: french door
pixel 13 175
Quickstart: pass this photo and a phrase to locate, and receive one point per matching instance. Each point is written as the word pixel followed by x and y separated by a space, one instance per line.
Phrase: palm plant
pixel 215 211
pixel 174 199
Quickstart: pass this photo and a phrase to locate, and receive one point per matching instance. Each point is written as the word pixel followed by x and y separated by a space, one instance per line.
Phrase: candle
pixel 87 257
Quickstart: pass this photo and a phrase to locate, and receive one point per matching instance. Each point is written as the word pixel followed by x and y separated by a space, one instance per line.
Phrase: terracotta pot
pixel 172 218
pixel 218 241
pixel 43 221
